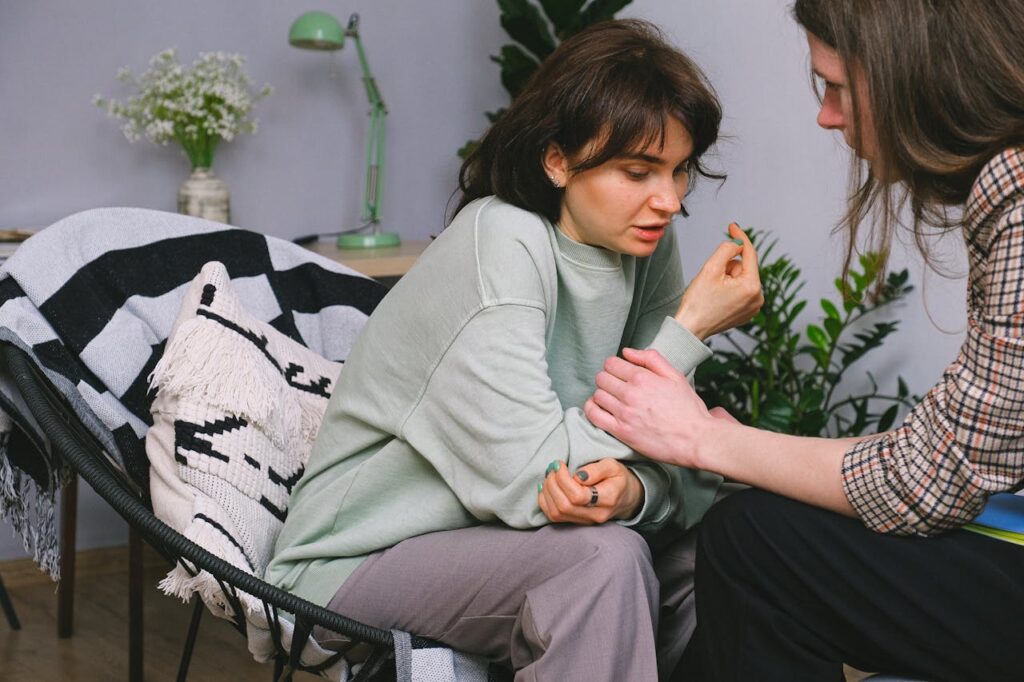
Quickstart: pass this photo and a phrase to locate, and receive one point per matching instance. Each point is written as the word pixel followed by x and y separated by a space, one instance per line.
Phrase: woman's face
pixel 836 111
pixel 626 203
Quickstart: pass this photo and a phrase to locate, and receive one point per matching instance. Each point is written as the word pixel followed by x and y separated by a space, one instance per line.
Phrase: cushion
pixel 236 411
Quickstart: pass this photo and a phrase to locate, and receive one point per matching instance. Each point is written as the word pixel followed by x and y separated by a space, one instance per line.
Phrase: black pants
pixel 789 592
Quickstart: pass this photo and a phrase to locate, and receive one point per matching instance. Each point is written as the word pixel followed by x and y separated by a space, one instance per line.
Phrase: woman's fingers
pixel 610 383
pixel 749 254
pixel 652 360
pixel 746 266
pixel 564 498
pixel 717 262
pixel 595 472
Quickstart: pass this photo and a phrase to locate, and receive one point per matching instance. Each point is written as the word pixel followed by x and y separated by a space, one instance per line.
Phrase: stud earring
pixel 554 182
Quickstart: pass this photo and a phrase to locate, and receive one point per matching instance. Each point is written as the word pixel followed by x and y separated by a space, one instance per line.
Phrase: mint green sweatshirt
pixel 468 380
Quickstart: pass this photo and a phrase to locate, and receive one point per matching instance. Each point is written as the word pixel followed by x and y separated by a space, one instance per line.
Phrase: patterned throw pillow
pixel 237 409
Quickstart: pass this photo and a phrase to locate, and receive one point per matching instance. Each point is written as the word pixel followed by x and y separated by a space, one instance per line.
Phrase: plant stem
pixel 871 396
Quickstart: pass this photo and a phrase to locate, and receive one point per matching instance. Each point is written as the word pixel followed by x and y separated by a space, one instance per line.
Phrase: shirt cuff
pixel 870 501
pixel 656 487
pixel 679 346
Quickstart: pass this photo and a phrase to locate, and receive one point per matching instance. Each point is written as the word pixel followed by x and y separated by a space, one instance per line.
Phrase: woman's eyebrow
pixel 639 156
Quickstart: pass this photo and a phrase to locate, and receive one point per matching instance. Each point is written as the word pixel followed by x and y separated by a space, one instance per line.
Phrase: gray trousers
pixel 562 602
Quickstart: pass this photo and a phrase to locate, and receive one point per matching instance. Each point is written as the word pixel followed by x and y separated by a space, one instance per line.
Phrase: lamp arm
pixel 373 188
pixel 372 92
pixel 374 167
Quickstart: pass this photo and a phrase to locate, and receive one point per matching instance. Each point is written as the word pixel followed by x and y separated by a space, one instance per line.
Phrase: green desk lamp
pixel 321 31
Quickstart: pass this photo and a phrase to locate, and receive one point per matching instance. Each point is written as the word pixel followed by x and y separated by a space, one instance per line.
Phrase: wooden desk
pixel 385 264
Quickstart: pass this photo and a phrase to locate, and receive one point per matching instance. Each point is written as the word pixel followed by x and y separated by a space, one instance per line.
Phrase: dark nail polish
pixel 582 475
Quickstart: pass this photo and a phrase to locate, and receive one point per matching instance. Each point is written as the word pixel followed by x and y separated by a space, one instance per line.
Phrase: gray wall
pixel 302 172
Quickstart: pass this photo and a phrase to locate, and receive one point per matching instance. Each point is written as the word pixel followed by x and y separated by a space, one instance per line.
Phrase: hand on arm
pixel 644 402
pixel 727 290
pixel 565 497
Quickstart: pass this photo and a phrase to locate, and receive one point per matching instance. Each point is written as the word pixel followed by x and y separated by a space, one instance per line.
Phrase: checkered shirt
pixel 965 440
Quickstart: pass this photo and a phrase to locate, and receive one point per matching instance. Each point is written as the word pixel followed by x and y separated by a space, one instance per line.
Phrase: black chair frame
pixel 82 451
pixel 8 607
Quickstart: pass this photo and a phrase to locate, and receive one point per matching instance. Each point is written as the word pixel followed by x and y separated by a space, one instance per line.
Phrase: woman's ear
pixel 556 165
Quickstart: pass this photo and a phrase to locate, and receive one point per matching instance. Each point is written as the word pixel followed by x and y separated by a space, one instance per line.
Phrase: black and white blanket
pixel 92 299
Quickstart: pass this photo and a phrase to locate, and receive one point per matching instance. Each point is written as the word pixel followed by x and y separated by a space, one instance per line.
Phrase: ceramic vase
pixel 204 195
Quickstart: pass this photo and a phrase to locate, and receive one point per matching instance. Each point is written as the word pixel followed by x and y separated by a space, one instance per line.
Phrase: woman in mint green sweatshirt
pixel 422 506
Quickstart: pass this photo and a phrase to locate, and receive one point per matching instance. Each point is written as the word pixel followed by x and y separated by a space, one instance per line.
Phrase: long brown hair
pixel 617 80
pixel 945 88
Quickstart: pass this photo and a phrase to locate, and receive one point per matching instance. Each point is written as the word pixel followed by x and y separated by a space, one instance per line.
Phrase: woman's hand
pixel 726 292
pixel 644 402
pixel 566 498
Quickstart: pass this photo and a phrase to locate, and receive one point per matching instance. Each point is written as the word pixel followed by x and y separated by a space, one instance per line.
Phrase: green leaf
pixel 830 309
pixel 811 423
pixel 561 12
pixel 887 418
pixel 468 148
pixel 597 10
pixel 834 328
pixel 860 421
pixel 791 316
pixel 516 68
pixel 817 336
pixel 812 398
pixel 776 413
pixel 902 391
pixel 525 25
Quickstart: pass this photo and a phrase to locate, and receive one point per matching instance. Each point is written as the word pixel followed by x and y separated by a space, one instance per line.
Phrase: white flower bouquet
pixel 198 106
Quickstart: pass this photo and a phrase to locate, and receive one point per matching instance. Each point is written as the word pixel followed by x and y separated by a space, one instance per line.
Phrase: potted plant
pixel 197 107
pixel 537 30
pixel 773 374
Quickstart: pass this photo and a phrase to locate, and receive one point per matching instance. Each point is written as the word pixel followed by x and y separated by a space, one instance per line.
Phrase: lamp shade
pixel 316 31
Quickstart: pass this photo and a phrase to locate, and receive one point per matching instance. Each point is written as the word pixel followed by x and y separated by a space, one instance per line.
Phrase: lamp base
pixel 373 240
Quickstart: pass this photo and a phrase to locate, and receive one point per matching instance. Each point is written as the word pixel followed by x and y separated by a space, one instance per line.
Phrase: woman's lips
pixel 649 233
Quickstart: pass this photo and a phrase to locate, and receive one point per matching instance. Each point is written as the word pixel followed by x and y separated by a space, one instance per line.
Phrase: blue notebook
pixel 1004 511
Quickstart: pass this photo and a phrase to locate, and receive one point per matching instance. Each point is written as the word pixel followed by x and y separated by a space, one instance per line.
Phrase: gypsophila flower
pixel 197 107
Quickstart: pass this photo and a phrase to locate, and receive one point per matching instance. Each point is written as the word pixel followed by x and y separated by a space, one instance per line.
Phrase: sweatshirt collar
pixel 585 254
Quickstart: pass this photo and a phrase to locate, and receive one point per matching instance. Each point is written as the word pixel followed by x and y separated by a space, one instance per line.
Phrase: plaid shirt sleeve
pixel 965 440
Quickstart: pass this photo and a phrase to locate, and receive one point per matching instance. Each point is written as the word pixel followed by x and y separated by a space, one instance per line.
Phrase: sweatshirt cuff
pixel 679 346
pixel 656 488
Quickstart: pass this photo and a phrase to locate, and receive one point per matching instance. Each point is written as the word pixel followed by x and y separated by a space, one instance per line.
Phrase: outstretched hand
pixel 566 497
pixel 642 400
pixel 726 291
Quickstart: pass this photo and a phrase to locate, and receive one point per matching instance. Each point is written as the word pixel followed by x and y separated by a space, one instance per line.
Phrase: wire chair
pixel 82 451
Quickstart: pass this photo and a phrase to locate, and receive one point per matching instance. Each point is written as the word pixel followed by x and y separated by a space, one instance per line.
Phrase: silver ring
pixel 593 496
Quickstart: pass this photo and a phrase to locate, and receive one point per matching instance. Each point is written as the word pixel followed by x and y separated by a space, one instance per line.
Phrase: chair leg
pixel 135 624
pixel 66 587
pixel 190 638
pixel 5 602
pixel 278 667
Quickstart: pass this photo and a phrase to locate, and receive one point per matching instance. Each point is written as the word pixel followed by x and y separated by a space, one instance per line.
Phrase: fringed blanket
pixel 93 298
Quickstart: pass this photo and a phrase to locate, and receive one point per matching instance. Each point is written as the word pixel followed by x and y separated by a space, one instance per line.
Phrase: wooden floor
pixel 98 650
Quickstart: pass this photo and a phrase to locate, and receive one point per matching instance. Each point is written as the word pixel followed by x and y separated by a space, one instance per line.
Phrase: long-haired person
pixel 419 508
pixel 857 553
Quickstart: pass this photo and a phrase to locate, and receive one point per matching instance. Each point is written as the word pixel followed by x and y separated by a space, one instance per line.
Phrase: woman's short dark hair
pixel 617 82
pixel 945 88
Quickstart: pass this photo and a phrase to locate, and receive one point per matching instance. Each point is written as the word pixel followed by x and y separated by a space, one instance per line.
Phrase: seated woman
pixel 419 506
